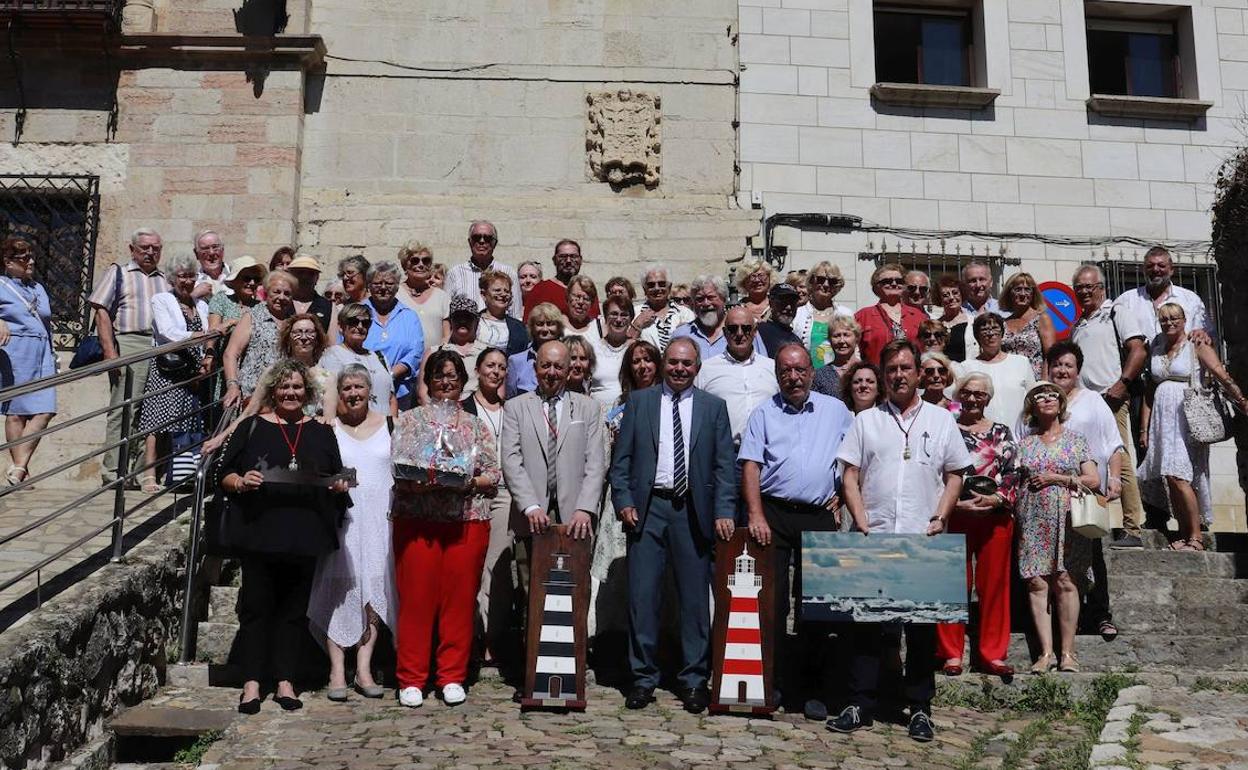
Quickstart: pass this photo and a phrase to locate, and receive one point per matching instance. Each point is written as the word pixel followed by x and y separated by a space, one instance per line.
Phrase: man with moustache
pixel 465 278
pixel 710 298
pixel 568 263
pixel 789 482
pixel 672 486
pixel 778 329
pixel 903 462
pixel 123 319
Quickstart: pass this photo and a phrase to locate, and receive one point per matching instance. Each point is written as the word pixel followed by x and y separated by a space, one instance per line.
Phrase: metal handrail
pixel 122 366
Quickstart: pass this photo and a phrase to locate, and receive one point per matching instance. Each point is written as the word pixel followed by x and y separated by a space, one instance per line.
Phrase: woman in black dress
pixel 277 528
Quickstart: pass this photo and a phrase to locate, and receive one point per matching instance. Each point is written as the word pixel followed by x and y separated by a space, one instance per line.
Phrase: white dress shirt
pixel 900 495
pixel 1141 305
pixel 743 385
pixel 664 470
pixel 1101 336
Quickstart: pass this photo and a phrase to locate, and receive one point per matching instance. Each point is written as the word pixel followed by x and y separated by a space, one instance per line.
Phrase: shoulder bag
pixel 1089 516
pixel 1207 411
pixel 90 351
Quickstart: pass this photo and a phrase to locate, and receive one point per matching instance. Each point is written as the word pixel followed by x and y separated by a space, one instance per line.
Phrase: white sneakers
pixel 411 697
pixel 453 694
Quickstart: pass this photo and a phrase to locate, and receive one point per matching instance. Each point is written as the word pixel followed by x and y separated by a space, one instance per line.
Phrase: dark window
pixel 1133 59
pixel 933 48
pixel 59 216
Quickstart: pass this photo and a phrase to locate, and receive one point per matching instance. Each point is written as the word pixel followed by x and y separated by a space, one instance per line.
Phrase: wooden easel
pixel 556 638
pixel 742 643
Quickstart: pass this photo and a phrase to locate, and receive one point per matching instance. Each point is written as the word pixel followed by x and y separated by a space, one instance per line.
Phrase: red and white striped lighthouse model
pixel 741 681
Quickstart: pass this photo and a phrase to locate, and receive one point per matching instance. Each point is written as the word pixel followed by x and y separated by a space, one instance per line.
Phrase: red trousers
pixel 989 540
pixel 438 570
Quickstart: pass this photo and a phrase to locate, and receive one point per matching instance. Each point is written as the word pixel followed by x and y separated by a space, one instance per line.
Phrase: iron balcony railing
pixel 122 505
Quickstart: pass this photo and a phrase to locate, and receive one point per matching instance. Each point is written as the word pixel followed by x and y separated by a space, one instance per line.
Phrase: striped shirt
pixel 464 279
pixel 132 311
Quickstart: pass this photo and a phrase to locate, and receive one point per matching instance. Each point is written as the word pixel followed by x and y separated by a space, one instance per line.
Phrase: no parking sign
pixel 1059 302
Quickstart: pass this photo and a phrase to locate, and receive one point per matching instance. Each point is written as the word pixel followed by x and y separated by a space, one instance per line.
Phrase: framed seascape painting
pixel 883 578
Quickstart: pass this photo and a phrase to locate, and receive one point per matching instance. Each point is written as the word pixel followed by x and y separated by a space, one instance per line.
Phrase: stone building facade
pixel 1016 132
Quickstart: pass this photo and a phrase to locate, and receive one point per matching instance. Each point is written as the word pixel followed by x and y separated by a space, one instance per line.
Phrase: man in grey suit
pixel 552 453
pixel 672 482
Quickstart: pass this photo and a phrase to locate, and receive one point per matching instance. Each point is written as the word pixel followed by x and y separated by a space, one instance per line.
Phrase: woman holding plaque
pixel 1051 558
pixel 984 513
pixel 353 590
pixel 279 518
pixel 446 468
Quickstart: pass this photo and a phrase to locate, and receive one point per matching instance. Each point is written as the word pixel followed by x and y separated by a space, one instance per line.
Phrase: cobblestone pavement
pixel 20 508
pixel 490 731
pixel 1194 729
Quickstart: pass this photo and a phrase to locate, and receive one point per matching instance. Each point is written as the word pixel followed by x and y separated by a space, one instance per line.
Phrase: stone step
pixel 1181 620
pixel 214 640
pixel 1228 542
pixel 1147 652
pixel 222 601
pixel 1175 590
pixel 1176 563
pixel 163 721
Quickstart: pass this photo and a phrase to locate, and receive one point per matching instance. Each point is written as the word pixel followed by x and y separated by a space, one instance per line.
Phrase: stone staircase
pixel 215 633
pixel 1174 610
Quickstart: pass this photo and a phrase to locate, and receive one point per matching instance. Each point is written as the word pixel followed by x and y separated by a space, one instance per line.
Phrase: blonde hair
pixel 885 268
pixel 411 249
pixel 752 266
pixel 545 312
pixel 844 322
pixel 1007 299
pixel 1170 310
pixel 824 268
pixel 965 379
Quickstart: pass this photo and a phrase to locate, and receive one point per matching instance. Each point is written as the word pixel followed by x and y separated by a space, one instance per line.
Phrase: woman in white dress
pixel 353 589
pixel 1011 373
pixel 1175 472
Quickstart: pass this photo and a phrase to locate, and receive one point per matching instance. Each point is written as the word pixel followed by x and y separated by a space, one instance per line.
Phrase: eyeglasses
pixel 1046 395
pixel 932 335
pixel 889 282
pixel 375 285
pixel 655 284
pixel 738 328
pixel 618 316
pixel 24 257
pixel 678 298
pixel 1087 286
pixel 304 334
pixel 965 394
pixel 481 238
pixel 990 332
pixel 916 288
pixel 826 280
pixel 216 248
pixel 249 279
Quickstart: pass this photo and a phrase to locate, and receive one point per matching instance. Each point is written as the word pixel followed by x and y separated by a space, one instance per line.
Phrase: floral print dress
pixel 994 454
pixel 1026 343
pixel 1046 544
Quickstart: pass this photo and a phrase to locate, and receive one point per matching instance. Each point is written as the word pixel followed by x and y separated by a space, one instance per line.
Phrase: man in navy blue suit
pixel 673 485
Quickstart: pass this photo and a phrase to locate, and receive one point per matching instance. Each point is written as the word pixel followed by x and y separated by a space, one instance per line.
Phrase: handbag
pixel 90 351
pixel 1089 515
pixel 1207 411
pixel 176 366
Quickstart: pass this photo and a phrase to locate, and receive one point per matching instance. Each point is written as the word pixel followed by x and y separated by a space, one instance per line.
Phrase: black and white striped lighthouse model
pixel 556 673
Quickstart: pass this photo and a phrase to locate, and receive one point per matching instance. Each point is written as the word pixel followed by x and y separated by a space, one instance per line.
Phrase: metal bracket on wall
pixel 19 117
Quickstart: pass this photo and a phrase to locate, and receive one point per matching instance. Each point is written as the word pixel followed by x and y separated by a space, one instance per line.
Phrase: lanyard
pixel 293 446
pixel 905 455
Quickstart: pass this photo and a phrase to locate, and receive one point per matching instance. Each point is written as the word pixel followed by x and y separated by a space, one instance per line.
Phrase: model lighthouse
pixel 741 681
pixel 556 656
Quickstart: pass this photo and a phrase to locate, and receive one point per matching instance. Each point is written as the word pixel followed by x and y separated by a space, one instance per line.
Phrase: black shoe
pixel 517 696
pixel 921 727
pixel 288 704
pixel 248 707
pixel 1127 541
pixel 696 699
pixel 815 710
pixel 850 719
pixel 639 698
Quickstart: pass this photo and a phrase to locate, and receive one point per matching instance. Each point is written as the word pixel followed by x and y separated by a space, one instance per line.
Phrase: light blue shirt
pixel 797 448
pixel 707 348
pixel 521 372
pixel 401 341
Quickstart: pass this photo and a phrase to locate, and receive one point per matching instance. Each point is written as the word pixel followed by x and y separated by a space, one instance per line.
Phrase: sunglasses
pixel 479 238
pixel 420 261
pixel 930 370
pixel 1047 395
pixel 251 279
pixel 826 280
pixel 738 328
pixel 933 335
pixel 655 284
pixel 889 282
pixel 357 323
pixel 1087 286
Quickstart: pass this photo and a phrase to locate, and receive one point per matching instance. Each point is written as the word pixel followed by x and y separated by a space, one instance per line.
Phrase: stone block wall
pixel 97 647
pixel 1035 161
pixel 432 115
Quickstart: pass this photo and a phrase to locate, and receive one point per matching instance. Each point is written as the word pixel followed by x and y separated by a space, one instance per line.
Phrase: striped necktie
pixel 680 478
pixel 552 444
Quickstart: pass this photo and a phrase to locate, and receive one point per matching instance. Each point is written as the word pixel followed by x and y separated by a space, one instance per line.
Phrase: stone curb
pixel 1110 751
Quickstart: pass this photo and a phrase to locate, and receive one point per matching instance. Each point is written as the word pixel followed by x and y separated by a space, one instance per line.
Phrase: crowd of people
pixel 652 422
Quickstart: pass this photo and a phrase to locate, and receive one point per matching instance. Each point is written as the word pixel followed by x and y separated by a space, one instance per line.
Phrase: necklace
pixel 905 455
pixel 353 429
pixel 292 445
pixel 1170 355
pixel 489 415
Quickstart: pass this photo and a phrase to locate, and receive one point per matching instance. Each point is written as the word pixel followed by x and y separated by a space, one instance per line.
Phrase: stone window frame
pixel 991 70
pixel 1196 32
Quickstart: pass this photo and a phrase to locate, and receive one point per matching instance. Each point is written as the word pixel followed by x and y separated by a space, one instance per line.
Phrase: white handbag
pixel 1089 516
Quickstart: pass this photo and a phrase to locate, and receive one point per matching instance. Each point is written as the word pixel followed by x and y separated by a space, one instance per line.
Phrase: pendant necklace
pixel 293 446
pixel 905 455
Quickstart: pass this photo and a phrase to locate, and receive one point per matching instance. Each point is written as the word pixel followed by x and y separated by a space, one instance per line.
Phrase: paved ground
pixel 490 731
pixel 1194 729
pixel 18 509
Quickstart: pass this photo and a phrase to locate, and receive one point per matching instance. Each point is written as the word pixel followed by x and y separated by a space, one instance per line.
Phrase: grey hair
pixel 487 222
pixel 653 267
pixel 975 263
pixel 182 263
pixel 1085 268
pixel 981 377
pixel 354 372
pixel 356 261
pixel 281 275
pixel 141 232
pixel 716 282
pixel 200 236
pixel 530 263
pixel 384 267
pixel 697 351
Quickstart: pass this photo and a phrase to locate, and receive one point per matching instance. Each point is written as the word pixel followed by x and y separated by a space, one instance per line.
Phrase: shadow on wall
pixel 260 18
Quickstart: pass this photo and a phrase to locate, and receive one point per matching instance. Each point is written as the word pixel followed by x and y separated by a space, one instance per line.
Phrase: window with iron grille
pixel 59 215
